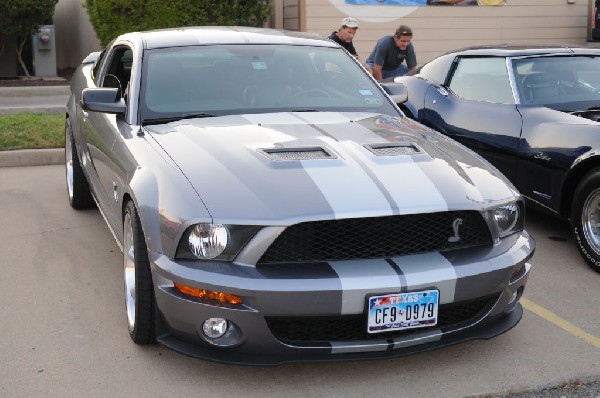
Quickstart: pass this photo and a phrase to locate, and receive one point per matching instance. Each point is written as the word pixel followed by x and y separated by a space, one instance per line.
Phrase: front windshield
pixel 235 79
pixel 566 82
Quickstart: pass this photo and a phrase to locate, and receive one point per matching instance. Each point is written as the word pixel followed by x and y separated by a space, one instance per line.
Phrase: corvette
pixel 273 204
pixel 533 112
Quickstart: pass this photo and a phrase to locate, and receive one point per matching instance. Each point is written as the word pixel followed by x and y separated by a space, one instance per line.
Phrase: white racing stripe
pixel 362 277
pixel 424 338
pixel 423 271
pixel 345 348
pixel 411 190
pixel 364 199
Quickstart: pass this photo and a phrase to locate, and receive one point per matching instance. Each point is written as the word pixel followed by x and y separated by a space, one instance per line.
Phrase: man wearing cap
pixel 345 34
pixel 390 52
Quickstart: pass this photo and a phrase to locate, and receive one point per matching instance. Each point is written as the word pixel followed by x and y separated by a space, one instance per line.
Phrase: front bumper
pixel 488 281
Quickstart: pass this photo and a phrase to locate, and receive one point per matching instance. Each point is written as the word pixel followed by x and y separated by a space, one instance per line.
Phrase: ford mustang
pixel 533 113
pixel 273 204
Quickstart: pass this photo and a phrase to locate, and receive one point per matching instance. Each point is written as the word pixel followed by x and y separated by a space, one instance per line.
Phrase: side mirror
pixel 397 91
pixel 105 100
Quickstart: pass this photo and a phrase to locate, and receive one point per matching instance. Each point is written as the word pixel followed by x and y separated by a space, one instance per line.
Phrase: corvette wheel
pixel 585 219
pixel 80 196
pixel 139 291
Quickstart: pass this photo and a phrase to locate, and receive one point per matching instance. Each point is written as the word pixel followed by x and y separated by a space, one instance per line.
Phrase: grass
pixel 32 131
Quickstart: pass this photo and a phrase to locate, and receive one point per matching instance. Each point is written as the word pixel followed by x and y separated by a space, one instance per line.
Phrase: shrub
pixel 21 19
pixel 111 18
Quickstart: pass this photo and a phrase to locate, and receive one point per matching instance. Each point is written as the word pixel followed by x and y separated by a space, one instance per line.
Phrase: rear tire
pixel 139 289
pixel 585 219
pixel 80 196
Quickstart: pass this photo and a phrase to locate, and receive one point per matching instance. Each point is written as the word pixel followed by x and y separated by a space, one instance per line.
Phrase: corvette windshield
pixel 558 80
pixel 236 79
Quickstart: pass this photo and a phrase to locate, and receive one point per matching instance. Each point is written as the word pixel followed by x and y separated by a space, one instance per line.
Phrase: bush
pixel 111 18
pixel 21 19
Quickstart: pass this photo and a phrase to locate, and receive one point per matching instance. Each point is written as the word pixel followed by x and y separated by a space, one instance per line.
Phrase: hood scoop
pixel 393 149
pixel 300 153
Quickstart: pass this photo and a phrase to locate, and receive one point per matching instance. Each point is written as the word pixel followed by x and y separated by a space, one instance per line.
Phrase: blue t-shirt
pixel 389 56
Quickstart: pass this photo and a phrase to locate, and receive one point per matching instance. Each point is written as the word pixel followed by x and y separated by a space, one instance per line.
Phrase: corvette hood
pixel 289 167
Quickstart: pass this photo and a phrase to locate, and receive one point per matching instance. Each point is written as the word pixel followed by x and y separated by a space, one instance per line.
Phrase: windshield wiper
pixel 162 120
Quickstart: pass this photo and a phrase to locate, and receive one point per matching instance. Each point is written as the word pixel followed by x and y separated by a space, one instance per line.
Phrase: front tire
pixel 139 289
pixel 80 196
pixel 585 219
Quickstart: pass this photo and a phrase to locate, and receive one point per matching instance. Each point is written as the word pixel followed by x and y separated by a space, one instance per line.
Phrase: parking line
pixel 561 323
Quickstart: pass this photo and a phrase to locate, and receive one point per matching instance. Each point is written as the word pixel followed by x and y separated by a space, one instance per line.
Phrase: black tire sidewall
pixel 82 196
pixel 588 184
pixel 144 328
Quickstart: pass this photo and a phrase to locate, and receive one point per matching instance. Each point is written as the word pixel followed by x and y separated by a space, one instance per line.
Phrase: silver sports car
pixel 273 204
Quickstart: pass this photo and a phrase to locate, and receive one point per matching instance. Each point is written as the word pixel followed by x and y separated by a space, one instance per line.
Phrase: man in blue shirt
pixel 387 58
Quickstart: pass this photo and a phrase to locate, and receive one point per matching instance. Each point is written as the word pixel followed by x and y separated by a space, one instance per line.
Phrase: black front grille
pixel 302 330
pixel 377 237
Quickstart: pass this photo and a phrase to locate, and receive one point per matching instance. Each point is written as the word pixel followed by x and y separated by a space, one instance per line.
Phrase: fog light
pixel 214 328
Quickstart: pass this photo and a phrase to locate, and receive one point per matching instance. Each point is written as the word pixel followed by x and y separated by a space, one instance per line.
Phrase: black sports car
pixel 533 113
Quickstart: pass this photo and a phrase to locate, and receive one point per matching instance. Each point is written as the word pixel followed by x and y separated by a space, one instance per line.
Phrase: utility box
pixel 44 51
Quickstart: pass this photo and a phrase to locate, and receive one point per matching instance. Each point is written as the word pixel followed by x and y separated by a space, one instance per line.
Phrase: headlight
pixel 207 241
pixel 508 219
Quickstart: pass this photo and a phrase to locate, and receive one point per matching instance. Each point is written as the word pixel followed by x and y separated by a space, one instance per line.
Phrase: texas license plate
pixel 403 311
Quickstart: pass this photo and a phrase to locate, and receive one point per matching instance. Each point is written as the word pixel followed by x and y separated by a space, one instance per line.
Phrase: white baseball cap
pixel 350 22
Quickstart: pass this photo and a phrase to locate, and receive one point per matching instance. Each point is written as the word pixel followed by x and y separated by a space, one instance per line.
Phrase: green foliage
pixel 111 18
pixel 21 19
pixel 32 131
pixel 24 17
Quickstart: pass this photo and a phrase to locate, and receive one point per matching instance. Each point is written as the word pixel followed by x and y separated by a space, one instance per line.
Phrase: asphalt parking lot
pixel 64 330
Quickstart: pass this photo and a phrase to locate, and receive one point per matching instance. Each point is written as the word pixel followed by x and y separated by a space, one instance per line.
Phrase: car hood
pixel 286 168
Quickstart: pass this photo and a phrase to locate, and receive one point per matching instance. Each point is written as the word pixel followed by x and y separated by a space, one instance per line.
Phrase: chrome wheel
pixel 129 271
pixel 69 161
pixel 590 220
pixel 137 277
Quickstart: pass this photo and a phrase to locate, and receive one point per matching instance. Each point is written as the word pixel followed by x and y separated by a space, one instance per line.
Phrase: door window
pixel 482 79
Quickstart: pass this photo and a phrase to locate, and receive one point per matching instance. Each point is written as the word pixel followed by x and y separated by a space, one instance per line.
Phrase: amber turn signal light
pixel 208 294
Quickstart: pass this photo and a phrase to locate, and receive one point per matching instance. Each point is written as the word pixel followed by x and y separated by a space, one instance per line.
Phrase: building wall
pixel 438 29
pixel 75 38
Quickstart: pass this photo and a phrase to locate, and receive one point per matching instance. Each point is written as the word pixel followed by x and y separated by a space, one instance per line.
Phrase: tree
pixel 111 18
pixel 21 19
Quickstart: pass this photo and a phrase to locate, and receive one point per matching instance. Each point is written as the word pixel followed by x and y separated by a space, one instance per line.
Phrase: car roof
pixel 207 35
pixel 523 50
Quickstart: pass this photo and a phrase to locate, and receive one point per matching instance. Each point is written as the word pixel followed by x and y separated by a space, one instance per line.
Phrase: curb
pixel 40 109
pixel 34 99
pixel 34 91
pixel 32 157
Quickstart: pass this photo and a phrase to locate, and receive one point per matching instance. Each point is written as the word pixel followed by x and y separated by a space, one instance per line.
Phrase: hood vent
pixel 303 153
pixel 393 149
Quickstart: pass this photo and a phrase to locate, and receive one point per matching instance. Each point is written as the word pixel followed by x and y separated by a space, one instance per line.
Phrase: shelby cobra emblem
pixel 455 225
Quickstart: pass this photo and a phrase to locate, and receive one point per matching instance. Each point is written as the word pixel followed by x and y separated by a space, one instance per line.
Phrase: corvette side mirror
pixel 397 91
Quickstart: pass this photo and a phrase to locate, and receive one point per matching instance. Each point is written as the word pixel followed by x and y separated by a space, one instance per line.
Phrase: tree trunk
pixel 19 50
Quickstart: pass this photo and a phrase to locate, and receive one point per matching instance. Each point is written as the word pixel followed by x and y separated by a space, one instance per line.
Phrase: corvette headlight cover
pixel 508 219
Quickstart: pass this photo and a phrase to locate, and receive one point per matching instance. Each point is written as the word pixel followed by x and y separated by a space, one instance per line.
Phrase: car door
pixel 101 130
pixel 476 107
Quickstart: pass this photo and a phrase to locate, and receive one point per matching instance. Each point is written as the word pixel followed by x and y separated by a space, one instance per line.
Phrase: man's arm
pixel 377 71
pixel 411 58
